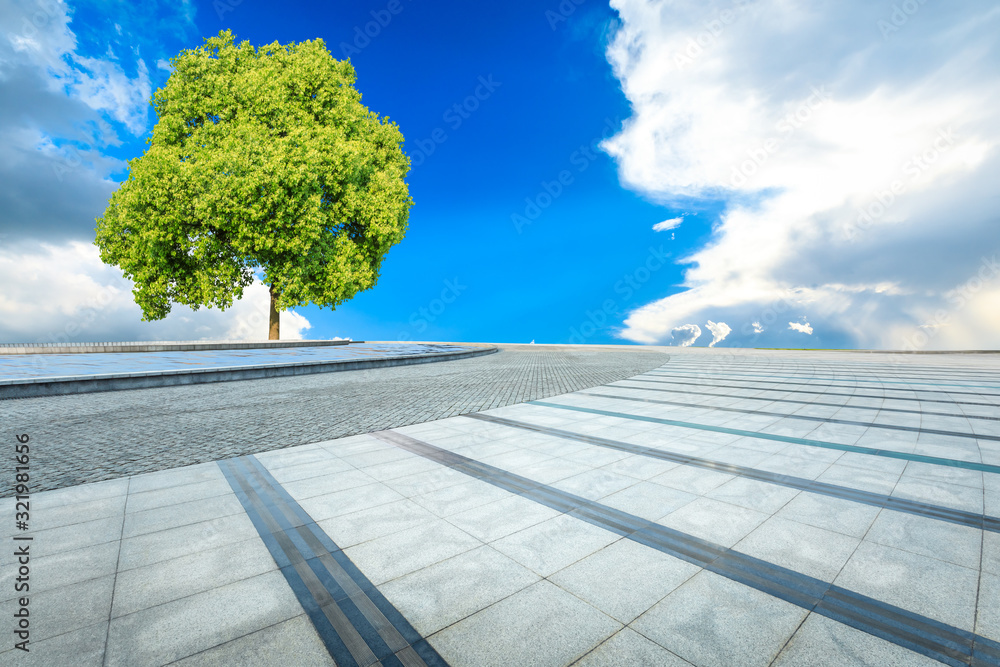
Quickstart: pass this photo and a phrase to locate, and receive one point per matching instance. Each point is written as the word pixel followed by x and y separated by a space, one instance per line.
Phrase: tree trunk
pixel 274 327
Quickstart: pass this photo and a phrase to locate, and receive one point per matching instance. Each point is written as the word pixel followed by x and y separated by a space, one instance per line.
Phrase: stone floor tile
pixel 648 500
pixel 549 546
pixel 806 549
pixel 81 648
pixel 749 493
pixel 949 542
pixel 497 519
pixel 714 521
pixel 628 648
pixel 712 621
pixel 927 586
pixel 165 581
pixel 349 529
pixel 624 579
pixel 842 516
pixel 291 642
pixel 527 628
pixel 434 597
pixel 821 642
pixel 403 552
pixel 196 623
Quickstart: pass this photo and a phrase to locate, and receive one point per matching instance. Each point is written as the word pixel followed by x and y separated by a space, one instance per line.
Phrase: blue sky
pixel 553 92
pixel 682 95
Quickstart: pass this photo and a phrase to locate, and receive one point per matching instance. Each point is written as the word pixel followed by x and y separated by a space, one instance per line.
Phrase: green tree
pixel 261 161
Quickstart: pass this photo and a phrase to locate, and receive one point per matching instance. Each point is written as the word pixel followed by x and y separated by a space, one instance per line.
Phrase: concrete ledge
pixel 165 346
pixel 82 384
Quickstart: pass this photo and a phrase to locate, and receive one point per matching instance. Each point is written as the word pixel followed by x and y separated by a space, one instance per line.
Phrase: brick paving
pixel 94 437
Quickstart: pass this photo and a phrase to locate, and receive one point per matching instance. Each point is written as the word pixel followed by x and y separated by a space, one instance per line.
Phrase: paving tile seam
pixel 791 636
pixel 334 593
pixel 114 581
pixel 646 637
pixel 641 378
pixel 235 640
pixel 504 597
pixel 806 403
pixel 187 596
pixel 160 563
pixel 926 510
pixel 857 449
pixel 782 415
pixel 940 641
pixel 783 380
pixel 61 634
pixel 979 581
pixel 181 525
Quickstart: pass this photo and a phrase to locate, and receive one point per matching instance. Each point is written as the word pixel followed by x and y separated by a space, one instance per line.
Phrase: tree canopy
pixel 261 160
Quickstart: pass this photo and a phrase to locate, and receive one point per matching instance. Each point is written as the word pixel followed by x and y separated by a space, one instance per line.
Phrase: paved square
pixel 725 508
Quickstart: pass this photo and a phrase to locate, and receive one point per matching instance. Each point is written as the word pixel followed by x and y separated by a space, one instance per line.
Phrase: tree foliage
pixel 262 159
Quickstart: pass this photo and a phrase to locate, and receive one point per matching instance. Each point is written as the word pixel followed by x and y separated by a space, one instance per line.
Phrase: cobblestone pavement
pixel 93 437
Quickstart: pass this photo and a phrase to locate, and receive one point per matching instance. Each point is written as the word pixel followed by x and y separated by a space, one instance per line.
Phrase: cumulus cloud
pixel 667 225
pixel 850 157
pixel 685 335
pixel 45 42
pixel 719 332
pixel 58 293
pixel 801 327
pixel 64 102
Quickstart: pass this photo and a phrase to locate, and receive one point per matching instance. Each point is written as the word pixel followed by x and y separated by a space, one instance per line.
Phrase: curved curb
pixel 84 384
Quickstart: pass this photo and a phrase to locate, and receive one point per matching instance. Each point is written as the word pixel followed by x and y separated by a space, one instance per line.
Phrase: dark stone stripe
pixel 948 514
pixel 818 393
pixel 887 453
pixel 942 642
pixel 356 623
pixel 782 415
pixel 780 380
pixel 618 385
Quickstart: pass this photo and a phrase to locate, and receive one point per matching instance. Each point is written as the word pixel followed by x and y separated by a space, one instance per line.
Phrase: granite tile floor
pixel 727 508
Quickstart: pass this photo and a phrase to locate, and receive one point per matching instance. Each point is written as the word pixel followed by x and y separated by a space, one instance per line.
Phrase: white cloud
pixel 758 328
pixel 848 165
pixel 667 225
pixel 104 86
pixel 44 38
pixel 685 335
pixel 719 332
pixel 803 327
pixel 65 293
